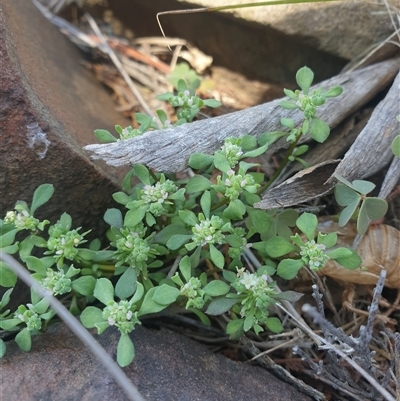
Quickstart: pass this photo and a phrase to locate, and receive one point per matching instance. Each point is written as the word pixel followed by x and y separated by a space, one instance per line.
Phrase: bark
pixel 168 150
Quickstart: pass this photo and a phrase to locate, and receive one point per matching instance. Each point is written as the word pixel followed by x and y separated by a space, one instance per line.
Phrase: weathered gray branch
pixel 169 150
pixel 369 153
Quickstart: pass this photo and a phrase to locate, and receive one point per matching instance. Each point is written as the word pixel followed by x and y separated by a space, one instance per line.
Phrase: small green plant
pixel 353 196
pixel 179 241
pixel 396 142
pixel 185 101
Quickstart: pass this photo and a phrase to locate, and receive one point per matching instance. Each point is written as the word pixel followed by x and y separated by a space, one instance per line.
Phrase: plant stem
pixel 283 164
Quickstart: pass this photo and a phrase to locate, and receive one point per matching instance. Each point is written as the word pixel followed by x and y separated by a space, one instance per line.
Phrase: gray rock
pixel 50 106
pixel 167 367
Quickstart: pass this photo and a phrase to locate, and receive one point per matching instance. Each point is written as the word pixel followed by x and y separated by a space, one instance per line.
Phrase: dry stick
pixel 119 66
pixel 115 371
pixel 315 315
pixel 231 7
pixel 169 149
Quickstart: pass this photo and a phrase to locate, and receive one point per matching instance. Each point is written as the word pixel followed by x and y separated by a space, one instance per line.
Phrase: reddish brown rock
pixel 50 106
pixel 167 367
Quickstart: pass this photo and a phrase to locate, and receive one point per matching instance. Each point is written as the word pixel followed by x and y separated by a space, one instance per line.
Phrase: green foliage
pixel 179 241
pixel 357 205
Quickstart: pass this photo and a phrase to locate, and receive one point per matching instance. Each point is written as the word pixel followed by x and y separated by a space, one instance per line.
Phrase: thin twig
pixel 97 350
pixel 119 66
pixel 385 393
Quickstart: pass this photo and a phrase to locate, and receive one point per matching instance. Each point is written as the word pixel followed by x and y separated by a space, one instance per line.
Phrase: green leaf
pixel 248 142
pixel 90 316
pixel 113 217
pixel 42 194
pixel 201 315
pixel 185 267
pixel 5 299
pixel 260 220
pixel 42 306
pixel 234 326
pixel 195 257
pixel 290 94
pixel 270 137
pixel 104 136
pixel 134 216
pixel 8 238
pixel 229 276
pixel 339 253
pixel 274 324
pixel 300 150
pixel 248 323
pixel 176 241
pixel 188 217
pixel 162 115
pixel 199 161
pixel 7 276
pixel 288 268
pixel 121 197
pixel 84 285
pixel 149 305
pixel 126 285
pixel 278 246
pixel 181 85
pixel 198 183
pixel 287 122
pixel 286 104
pixel 23 339
pixel 307 224
pixel 138 293
pixel 221 163
pixel 304 78
pixel 396 146
pixel 205 203
pixel 66 221
pixel 291 296
pixel 125 350
pixel 216 256
pixel 218 306
pixel 167 232
pixel 334 91
pixel 329 240
pixel 347 213
pixel 104 291
pixel 351 262
pixel 9 324
pixel 376 208
pixel 35 264
pixel 362 220
pixel 142 173
pixel 345 196
pixel 235 210
pixel 212 103
pixel 319 130
pixel 216 288
pixel 256 152
pixel 2 348
pixel 165 294
pixel 363 187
